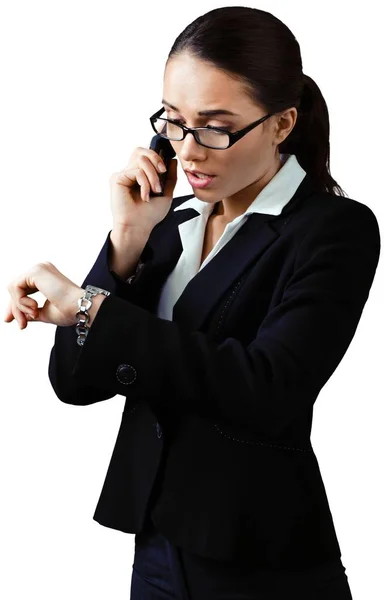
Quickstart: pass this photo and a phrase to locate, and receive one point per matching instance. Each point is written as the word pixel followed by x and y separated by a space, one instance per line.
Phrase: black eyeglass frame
pixel 233 136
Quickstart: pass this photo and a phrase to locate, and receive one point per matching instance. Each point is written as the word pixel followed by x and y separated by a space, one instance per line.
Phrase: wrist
pixel 93 310
pixel 130 234
pixel 126 247
pixel 88 302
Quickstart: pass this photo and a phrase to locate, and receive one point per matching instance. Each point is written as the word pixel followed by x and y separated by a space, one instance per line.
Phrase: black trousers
pixel 162 571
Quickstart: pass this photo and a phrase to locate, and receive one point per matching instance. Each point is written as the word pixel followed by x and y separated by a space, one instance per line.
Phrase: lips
pixel 199 173
pixel 200 182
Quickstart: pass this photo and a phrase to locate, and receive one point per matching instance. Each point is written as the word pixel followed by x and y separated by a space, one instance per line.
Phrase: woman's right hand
pixel 130 187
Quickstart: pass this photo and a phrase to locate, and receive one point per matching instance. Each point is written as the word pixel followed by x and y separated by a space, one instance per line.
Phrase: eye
pixel 226 130
pixel 220 128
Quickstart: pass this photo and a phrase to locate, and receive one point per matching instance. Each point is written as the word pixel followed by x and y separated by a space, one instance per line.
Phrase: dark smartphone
pixel 166 152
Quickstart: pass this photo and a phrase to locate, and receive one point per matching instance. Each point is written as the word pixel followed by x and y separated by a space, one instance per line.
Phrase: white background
pixel 79 82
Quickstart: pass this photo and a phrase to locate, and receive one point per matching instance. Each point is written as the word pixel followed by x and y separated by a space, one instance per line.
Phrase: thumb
pixel 43 313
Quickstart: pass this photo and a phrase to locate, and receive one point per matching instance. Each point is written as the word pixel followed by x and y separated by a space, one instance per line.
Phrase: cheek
pixel 242 160
pixel 234 159
pixel 252 154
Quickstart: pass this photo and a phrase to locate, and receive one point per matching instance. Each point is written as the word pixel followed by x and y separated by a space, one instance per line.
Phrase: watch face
pixel 96 290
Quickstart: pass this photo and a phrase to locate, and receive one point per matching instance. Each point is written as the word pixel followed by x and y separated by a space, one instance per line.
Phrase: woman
pixel 220 316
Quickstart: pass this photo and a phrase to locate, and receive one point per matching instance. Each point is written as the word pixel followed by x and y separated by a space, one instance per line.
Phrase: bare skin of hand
pixel 62 296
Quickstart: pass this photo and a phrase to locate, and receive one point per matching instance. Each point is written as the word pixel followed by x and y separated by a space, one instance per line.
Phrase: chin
pixel 202 195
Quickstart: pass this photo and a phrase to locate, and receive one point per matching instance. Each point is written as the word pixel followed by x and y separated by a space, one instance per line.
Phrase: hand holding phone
pixel 131 186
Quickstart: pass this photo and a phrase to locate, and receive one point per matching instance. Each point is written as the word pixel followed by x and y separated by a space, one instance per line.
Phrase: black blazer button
pixel 126 374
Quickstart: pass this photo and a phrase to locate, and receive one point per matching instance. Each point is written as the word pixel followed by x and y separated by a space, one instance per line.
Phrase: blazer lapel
pixel 166 245
pixel 205 289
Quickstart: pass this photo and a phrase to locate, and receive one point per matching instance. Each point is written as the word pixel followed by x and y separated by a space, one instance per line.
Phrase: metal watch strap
pixel 82 326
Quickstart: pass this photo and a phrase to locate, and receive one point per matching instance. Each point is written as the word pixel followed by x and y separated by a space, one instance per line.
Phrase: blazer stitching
pixel 261 443
pixel 219 325
pixel 220 322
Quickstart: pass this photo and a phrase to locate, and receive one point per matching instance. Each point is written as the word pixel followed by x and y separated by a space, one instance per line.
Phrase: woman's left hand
pixel 62 296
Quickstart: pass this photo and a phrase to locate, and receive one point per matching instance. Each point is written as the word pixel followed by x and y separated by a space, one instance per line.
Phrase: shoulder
pixel 338 233
pixel 323 212
pixel 324 204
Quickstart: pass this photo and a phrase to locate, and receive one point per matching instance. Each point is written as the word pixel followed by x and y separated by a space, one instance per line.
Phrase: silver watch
pixel 82 324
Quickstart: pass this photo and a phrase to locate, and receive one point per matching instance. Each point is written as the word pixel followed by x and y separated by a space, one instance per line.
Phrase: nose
pixel 190 149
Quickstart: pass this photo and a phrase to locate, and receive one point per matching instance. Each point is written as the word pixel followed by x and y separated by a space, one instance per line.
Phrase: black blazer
pixel 214 441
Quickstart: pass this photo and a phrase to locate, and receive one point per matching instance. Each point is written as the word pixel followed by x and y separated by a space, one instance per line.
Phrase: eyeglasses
pixel 210 137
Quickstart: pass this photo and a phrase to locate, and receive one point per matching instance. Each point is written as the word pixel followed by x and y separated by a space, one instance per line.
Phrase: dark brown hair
pixel 260 51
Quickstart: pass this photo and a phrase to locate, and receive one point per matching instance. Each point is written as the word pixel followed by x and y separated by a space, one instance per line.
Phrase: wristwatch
pixel 82 327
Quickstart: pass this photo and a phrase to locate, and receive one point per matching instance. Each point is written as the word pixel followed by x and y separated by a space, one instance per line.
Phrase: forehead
pixel 193 85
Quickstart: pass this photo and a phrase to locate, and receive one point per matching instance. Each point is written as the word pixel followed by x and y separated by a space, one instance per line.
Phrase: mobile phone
pixel 166 152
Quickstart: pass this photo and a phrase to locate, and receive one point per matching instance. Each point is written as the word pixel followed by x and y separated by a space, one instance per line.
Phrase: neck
pixel 233 206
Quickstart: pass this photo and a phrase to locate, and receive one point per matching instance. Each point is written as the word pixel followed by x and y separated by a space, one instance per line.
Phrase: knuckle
pixel 40 265
pixel 137 155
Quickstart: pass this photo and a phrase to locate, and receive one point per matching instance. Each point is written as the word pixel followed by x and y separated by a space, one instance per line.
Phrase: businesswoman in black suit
pixel 228 311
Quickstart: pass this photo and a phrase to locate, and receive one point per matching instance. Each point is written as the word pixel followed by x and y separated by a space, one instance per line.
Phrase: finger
pixel 29 304
pixel 26 305
pixel 25 313
pixel 19 290
pixel 152 156
pixel 24 284
pixel 151 173
pixel 144 186
pixel 19 316
pixel 8 317
pixel 130 177
pixel 31 318
pixel 126 177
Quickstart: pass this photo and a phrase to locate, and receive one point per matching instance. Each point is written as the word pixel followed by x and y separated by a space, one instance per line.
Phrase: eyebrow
pixel 218 111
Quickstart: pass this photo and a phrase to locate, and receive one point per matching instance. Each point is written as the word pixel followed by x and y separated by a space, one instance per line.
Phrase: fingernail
pixel 158 187
pixel 161 167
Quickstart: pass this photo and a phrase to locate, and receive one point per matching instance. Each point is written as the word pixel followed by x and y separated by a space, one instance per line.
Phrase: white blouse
pixel 270 200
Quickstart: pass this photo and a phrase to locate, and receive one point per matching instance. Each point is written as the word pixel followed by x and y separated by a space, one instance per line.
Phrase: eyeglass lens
pixel 214 139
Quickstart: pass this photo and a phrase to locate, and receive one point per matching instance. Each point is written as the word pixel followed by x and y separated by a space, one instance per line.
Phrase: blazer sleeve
pixel 262 386
pixel 65 350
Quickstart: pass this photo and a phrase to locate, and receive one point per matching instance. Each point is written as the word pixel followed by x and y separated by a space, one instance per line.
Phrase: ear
pixel 285 124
